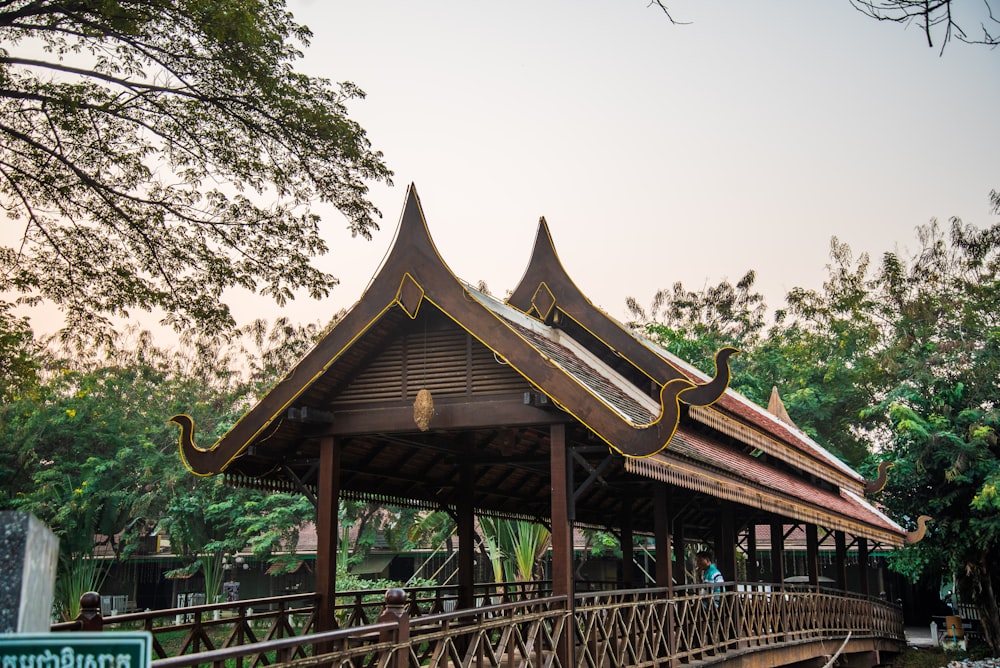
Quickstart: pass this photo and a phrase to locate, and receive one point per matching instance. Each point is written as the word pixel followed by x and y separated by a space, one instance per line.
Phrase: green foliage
pixel 76 574
pixel 602 542
pixel 694 325
pixel 89 450
pixel 515 547
pixel 272 522
pixel 898 362
pixel 19 356
pixel 155 154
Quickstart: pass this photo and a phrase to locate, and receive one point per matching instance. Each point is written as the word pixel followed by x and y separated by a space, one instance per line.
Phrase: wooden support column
pixel 661 535
pixel 680 559
pixel 812 554
pixel 863 566
pixel 725 546
pixel 327 532
pixel 628 548
pixel 562 536
pixel 753 566
pixel 562 533
pixel 777 552
pixel 466 541
pixel 663 515
pixel 840 559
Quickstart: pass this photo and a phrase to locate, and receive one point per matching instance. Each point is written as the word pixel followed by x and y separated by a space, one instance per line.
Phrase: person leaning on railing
pixel 711 575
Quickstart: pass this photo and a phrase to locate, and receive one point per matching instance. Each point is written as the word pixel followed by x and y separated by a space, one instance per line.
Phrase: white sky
pixel 657 153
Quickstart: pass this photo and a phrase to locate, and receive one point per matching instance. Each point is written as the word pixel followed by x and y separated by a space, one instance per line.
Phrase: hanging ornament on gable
pixel 423 409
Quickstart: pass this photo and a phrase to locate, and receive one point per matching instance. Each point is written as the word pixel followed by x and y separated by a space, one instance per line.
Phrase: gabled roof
pixel 547 292
pixel 414 274
pixel 572 363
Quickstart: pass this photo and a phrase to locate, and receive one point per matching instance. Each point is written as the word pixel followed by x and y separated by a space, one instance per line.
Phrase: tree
pixel 154 154
pixel 88 450
pixel 824 354
pixel 941 17
pixel 694 325
pixel 900 362
pixel 817 351
pixel 19 356
pixel 203 519
pixel 944 306
pixel 85 443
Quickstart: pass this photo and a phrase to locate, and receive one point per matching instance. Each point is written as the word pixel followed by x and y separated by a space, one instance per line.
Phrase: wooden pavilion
pixel 431 393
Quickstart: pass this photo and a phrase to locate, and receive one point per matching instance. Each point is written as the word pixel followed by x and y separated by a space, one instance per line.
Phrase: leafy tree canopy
pixel 896 361
pixel 86 446
pixel 943 304
pixel 155 153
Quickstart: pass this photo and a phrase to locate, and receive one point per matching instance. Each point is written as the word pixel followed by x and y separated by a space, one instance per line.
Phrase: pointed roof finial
pixel 776 407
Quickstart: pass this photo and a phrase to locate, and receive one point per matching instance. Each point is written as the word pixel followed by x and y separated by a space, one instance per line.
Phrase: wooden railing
pixel 609 629
pixel 195 629
pixel 640 627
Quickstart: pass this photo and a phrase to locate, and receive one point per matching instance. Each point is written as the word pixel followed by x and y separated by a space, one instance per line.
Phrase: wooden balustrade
pixel 608 628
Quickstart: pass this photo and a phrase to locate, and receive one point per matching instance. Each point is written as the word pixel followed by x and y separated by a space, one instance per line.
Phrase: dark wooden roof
pixel 500 373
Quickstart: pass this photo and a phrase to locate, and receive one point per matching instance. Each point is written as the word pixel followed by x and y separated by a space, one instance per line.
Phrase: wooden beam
pixel 753 565
pixel 327 530
pixel 628 548
pixel 725 548
pixel 447 416
pixel 812 554
pixel 863 586
pixel 777 552
pixel 662 512
pixel 466 540
pixel 562 537
pixel 680 559
pixel 840 559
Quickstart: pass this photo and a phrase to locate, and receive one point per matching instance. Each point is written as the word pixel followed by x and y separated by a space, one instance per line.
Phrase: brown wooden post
pixel 680 559
pixel 662 515
pixel 777 552
pixel 812 554
pixel 725 548
pixel 628 547
pixel 840 559
pixel 661 534
pixel 466 541
pixel 90 612
pixel 753 566
pixel 562 537
pixel 863 566
pixel 726 560
pixel 395 612
pixel 327 532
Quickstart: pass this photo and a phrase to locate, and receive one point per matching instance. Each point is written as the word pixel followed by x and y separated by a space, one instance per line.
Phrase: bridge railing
pixel 608 628
pixel 194 629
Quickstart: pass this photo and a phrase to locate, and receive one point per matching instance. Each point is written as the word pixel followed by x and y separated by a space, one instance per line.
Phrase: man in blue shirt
pixel 710 574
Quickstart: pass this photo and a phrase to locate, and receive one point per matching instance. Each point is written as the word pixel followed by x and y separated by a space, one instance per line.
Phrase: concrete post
pixel 29 552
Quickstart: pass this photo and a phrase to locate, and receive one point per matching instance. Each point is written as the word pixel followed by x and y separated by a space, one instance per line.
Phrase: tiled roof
pixel 738 405
pixel 780 483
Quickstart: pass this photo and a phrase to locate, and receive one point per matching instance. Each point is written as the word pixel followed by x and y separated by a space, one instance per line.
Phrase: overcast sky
pixel 657 153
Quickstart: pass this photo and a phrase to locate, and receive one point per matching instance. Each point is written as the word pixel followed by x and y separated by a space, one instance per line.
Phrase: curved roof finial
pixel 921 530
pixel 876 485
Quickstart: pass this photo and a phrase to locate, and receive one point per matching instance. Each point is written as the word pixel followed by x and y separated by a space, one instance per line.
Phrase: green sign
pixel 107 649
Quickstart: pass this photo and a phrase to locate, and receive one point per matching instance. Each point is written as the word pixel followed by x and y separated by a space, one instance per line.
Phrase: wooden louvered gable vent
pixel 446 362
